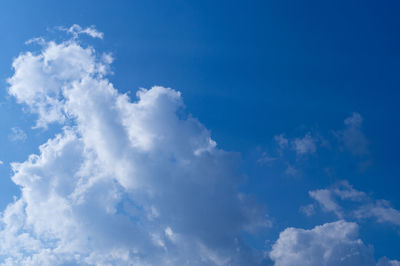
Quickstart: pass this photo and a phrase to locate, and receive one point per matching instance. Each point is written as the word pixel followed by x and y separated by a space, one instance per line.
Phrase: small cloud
pixel 308 210
pixel 352 137
pixel 37 40
pixel 170 234
pixel 335 243
pixel 304 145
pixel 290 170
pixel 266 159
pixel 17 134
pixel 282 141
pixel 354 120
pixel 77 30
pixel 1 162
pixel 325 198
pixel 345 191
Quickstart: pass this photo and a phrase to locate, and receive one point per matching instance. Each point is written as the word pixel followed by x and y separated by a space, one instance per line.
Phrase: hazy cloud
pixel 282 141
pixel 308 210
pixel 381 210
pixel 332 199
pixel 352 137
pixel 304 145
pixel 265 158
pixel 17 134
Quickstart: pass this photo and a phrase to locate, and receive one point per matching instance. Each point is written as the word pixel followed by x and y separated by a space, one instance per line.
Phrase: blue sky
pixel 281 123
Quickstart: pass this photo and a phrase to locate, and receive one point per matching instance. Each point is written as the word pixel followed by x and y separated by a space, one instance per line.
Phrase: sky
pixel 199 133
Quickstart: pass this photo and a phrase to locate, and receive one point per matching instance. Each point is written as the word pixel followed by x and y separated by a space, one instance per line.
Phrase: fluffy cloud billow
pixel 125 182
pixel 330 244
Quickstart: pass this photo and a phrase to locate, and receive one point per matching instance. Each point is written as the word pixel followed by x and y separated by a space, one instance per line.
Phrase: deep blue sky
pixel 248 70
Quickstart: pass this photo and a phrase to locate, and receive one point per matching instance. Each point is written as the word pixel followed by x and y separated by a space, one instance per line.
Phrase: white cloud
pixel 363 206
pixel 325 198
pixel 308 210
pixel 304 145
pixel 17 134
pixel 330 244
pixel 351 138
pixel 346 192
pixel 301 146
pixel 281 140
pixel 39 80
pixel 77 30
pixel 126 183
pixel 381 211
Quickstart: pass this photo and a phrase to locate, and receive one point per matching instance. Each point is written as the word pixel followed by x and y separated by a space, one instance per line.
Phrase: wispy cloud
pixel 282 141
pixel 325 198
pixel 77 30
pixel 301 145
pixel 17 134
pixel 304 145
pixel 308 210
pixel 331 199
pixel 265 158
pixel 352 136
pixel 381 210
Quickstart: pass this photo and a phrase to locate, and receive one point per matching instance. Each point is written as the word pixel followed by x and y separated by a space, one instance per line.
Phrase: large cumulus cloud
pixel 125 182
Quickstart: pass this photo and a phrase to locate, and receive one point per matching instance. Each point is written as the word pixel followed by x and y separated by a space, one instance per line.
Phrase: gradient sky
pixel 300 97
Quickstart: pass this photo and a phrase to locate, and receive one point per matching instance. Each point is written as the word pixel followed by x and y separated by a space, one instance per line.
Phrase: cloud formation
pixel 334 243
pixel 17 134
pixel 330 244
pixel 301 146
pixel 125 182
pixel 304 145
pixel 352 137
pixel 77 30
pixel 325 199
pixel 362 205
